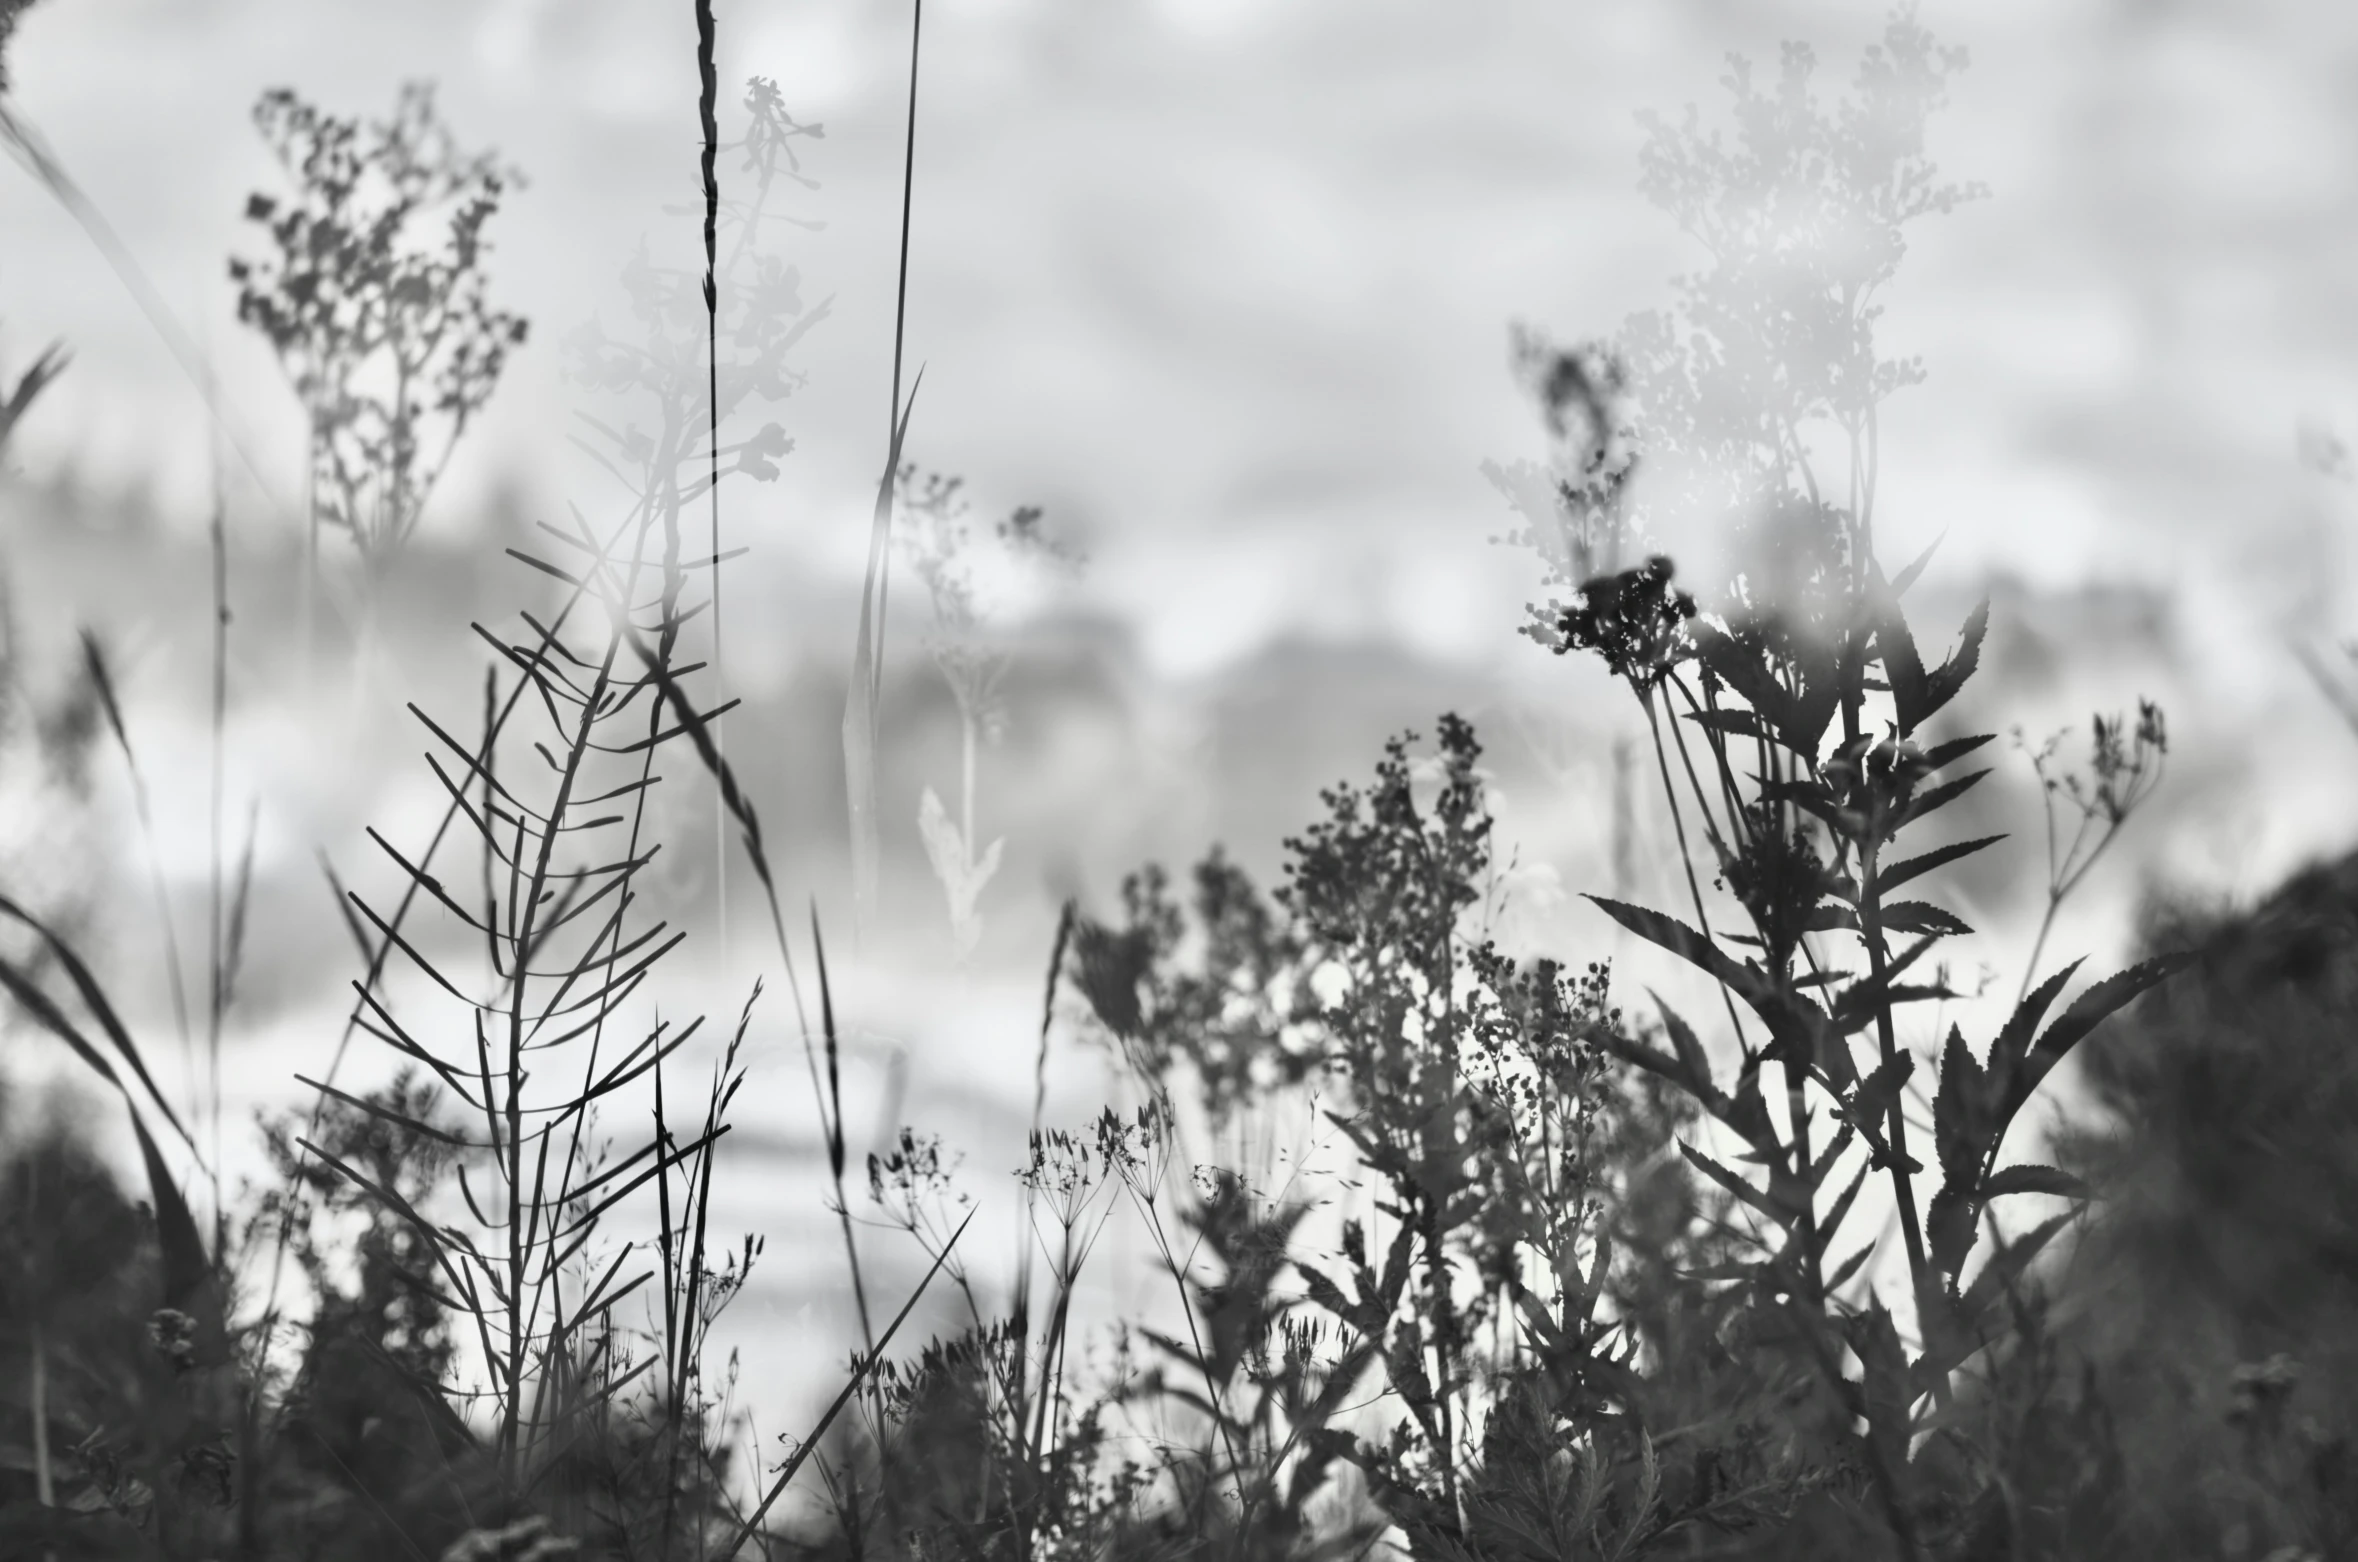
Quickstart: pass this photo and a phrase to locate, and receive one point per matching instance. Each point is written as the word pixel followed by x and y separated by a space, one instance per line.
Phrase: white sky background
pixel 1225 287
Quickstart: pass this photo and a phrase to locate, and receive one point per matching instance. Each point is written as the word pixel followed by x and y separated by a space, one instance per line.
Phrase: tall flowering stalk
pixel 941 548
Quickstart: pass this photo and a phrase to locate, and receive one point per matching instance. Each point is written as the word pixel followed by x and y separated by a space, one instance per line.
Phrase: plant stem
pixel 1686 855
pixel 1929 1299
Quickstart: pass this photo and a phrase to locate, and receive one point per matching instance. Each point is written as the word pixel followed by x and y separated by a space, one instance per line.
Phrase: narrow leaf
pixel 1899 873
pixel 2033 1178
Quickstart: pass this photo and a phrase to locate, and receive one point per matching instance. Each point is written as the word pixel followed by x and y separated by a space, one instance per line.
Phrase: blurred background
pixel 1224 288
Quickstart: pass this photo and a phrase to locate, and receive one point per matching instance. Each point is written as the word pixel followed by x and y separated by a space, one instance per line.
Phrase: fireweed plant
pixel 938 543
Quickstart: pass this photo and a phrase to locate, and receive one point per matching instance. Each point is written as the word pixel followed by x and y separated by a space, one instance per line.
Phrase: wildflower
pixel 1634 620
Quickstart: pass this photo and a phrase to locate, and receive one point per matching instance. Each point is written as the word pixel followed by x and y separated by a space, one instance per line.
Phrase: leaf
pixel 1670 933
pixel 2013 1042
pixel 1894 876
pixel 867 679
pixel 1885 1389
pixel 962 878
pixel 1839 1210
pixel 94 999
pixel 1907 577
pixel 2033 1178
pixel 1931 800
pixel 188 1275
pixel 1902 665
pixel 1942 755
pixel 1943 686
pixel 1917 916
pixel 1850 1266
pixel 1776 1214
pixel 2092 1007
pixel 1329 1295
pixel 2008 1265
pixel 1734 723
pixel 1691 1055
pixel 1799 1026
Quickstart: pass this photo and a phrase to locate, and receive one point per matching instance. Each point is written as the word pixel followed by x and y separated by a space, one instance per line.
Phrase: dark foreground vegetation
pixel 1578 1271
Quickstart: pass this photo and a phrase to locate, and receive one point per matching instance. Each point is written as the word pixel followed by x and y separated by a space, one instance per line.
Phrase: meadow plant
pixel 392 348
pixel 938 543
pixel 1586 1283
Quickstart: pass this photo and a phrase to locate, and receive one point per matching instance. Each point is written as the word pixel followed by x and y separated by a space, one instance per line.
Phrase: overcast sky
pixel 1226 285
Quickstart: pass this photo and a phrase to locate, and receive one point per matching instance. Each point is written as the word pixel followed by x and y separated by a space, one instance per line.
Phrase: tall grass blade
pixel 859 715
pixel 862 1370
pixel 830 1103
pixel 40 160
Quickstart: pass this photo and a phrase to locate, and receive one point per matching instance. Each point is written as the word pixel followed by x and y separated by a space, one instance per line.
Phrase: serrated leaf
pixel 1849 1266
pixel 2101 1000
pixel 1903 666
pixel 1691 1055
pixel 1940 856
pixel 1668 932
pixel 1932 799
pixel 1918 916
pixel 1734 723
pixel 2013 1042
pixel 1835 918
pixel 1942 755
pixel 1798 1025
pixel 1943 685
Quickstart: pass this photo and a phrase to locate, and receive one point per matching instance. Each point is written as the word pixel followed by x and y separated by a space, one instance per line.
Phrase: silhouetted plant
pixel 391 347
pixel 1799 800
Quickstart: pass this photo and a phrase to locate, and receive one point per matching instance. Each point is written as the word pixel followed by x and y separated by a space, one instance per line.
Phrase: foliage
pixel 393 349
pixel 1558 1275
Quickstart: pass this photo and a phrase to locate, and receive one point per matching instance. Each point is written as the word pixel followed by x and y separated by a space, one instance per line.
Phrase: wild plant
pixel 392 347
pixel 2124 767
pixel 939 545
pixel 119 1426
pixel 1491 1129
pixel 987 1443
pixel 1796 725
